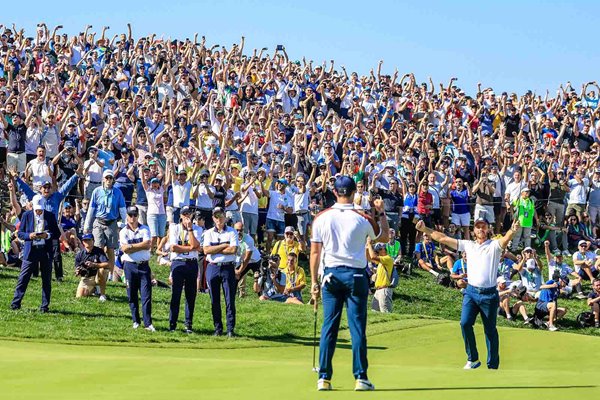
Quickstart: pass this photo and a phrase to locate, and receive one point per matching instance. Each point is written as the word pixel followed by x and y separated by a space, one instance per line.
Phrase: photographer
pixel 547 303
pixel 557 269
pixel 249 257
pixel 277 285
pixel 88 262
pixel 506 291
pixel 530 271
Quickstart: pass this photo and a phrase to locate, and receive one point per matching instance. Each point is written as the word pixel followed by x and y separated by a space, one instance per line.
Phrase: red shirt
pixel 425 199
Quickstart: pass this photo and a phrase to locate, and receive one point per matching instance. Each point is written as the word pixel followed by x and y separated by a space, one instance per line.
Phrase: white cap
pixel 38 202
pixel 211 140
pixel 106 173
pixel 220 177
pixel 501 279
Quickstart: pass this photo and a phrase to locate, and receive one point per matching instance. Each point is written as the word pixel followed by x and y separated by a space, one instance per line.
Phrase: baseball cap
pixel 525 189
pixel 501 279
pixel 379 246
pixel 181 171
pixel 218 210
pixel 219 177
pixel 38 202
pixel 527 249
pixel 67 204
pixel 186 210
pixel 345 185
pixel 480 220
pixel 283 181
pixel 132 210
pixel 289 229
pixel 46 183
pixel 581 242
pixel 108 172
pixel 154 180
pixel 87 236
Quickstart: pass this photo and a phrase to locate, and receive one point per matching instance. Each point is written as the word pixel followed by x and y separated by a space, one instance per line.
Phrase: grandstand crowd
pixel 177 125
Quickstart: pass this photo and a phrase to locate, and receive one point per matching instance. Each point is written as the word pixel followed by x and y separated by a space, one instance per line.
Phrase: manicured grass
pixel 409 359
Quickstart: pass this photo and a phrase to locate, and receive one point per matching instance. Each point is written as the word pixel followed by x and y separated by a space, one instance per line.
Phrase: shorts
pixel 106 235
pixel 486 212
pixel 382 300
pixel 250 223
pixel 461 219
pixel 233 216
pixel 157 224
pixel 585 276
pixel 275 226
pixel 436 216
pixel 542 306
pixel 88 283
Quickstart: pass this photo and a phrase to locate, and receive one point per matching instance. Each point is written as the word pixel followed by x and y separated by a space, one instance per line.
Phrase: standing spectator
pixel 37 229
pixel 135 243
pixel 524 211
pixel 382 299
pixel 106 206
pixel 484 190
pixel 220 246
pixel 279 204
pixel 157 216
pixel 184 241
pixel 408 233
pixel 16 132
pixel 249 257
pixel 578 193
pixel 461 216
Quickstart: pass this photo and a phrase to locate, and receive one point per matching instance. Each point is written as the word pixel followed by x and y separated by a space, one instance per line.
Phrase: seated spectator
pixel 547 304
pixel 276 285
pixel 584 262
pixel 594 301
pixel 506 291
pixel 459 272
pixel 575 232
pixel 425 255
pixel 382 277
pixel 530 270
pixel 91 264
pixel 557 269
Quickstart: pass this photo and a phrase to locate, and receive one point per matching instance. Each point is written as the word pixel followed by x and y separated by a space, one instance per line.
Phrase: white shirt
pixel 178 235
pixel 343 232
pixel 579 256
pixel 484 272
pixel 203 200
pixel 578 192
pixel 514 191
pixel 247 244
pixel 181 194
pixel 213 237
pixel 276 198
pixel 40 171
pixel 94 173
pixel 127 236
pixel 301 200
pixel 250 203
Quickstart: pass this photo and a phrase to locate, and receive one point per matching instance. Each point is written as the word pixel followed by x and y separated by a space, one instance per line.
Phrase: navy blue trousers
pixel 139 279
pixel 38 259
pixel 349 286
pixel 484 302
pixel 184 274
pixel 215 278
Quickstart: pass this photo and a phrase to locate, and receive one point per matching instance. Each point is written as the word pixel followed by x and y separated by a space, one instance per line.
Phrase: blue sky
pixel 509 45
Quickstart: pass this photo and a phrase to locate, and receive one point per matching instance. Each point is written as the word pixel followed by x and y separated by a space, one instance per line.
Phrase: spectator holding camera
pixel 89 262
pixel 506 291
pixel 547 303
pixel 529 269
pixel 383 276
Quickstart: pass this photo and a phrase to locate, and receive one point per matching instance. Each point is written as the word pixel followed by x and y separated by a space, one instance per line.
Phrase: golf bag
pixel 586 319
pixel 444 279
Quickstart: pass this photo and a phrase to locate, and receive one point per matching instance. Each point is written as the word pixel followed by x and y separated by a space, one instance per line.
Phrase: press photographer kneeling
pixel 88 262
pixel 284 286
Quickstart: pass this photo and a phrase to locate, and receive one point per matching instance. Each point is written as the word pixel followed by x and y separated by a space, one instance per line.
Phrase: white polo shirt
pixel 181 194
pixel 247 244
pixel 213 237
pixel 203 200
pixel 179 235
pixel 483 261
pixel 127 236
pixel 343 231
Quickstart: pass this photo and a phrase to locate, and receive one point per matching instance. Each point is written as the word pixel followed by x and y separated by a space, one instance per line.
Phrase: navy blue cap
pixel 132 210
pixel 345 185
pixel 87 236
pixel 186 210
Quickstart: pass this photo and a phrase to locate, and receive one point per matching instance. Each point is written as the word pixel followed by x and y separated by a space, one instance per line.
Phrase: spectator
pixel 461 216
pixel 459 272
pixel 382 278
pixel 547 303
pixel 506 291
pixel 594 301
pixel 524 211
pixel 557 269
pixel 89 263
pixel 584 262
pixel 425 255
pixel 291 243
pixel 530 270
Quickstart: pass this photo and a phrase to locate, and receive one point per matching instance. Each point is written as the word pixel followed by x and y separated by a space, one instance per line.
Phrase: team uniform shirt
pixel 385 269
pixel 343 232
pixel 180 236
pixel 484 272
pixel 128 236
pixel 282 249
pixel 426 251
pixel 297 278
pixel 213 237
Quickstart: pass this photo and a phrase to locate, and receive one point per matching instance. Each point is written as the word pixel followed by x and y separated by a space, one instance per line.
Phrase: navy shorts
pixel 275 226
pixel 542 306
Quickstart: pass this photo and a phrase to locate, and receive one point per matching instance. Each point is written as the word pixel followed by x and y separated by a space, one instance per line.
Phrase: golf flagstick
pixel 315 307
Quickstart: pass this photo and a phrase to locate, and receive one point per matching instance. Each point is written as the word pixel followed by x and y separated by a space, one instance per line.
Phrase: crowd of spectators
pixel 176 123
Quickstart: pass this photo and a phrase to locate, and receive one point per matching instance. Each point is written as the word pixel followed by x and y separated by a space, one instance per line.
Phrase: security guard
pixel 339 237
pixel 184 239
pixel 220 246
pixel 37 230
pixel 135 244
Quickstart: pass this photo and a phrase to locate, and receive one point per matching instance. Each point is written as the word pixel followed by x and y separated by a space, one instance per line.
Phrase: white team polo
pixel 180 236
pixel 213 237
pixel 483 261
pixel 343 231
pixel 127 236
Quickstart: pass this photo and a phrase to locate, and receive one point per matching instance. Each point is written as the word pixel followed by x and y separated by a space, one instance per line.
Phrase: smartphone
pixel 279 47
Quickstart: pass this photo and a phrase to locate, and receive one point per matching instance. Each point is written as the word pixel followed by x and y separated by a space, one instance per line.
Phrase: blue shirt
pixel 52 203
pixel 106 204
pixel 459 201
pixel 425 251
pixel 549 295
pixel 459 267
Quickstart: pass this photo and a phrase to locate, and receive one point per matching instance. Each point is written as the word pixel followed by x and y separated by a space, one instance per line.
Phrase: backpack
pixel 586 319
pixel 444 279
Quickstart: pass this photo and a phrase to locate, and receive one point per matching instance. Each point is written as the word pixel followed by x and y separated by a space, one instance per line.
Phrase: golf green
pixel 408 359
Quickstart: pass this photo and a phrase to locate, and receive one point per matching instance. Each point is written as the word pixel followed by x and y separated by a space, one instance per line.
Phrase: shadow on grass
pixel 306 341
pixel 410 298
pixel 439 389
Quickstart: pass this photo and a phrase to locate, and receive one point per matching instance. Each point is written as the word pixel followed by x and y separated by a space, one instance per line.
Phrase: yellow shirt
pixel 385 268
pixel 236 183
pixel 283 249
pixel 298 278
pixel 263 201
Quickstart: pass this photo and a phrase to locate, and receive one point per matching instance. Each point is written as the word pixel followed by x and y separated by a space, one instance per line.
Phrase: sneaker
pixel 324 384
pixel 363 385
pixel 188 329
pixel 552 328
pixel 566 253
pixel 580 296
pixel 136 325
pixel 528 321
pixel 150 328
pixel 472 364
pixel 102 298
pixel 596 324
pixel 462 291
pixel 556 252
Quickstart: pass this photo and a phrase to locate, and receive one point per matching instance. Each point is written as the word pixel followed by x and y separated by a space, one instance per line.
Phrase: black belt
pixel 95 183
pixel 224 264
pixel 302 212
pixel 16 152
pixel 105 222
pixel 138 262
